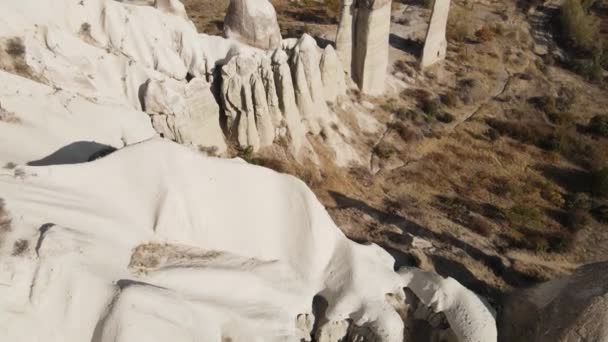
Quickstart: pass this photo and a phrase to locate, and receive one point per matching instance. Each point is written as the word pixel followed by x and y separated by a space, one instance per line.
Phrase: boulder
pixel 371 45
pixel 253 22
pixel 573 308
pixel 435 44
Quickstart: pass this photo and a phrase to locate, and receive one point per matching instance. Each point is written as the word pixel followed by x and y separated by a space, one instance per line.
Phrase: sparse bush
pixel 599 181
pixel 579 201
pixel 459 24
pixel 561 118
pixel 8 117
pixel 446 117
pixel 429 106
pixel 589 68
pixel 405 132
pixel 520 216
pixel 599 125
pixel 450 99
pixel 5 221
pixel 577 219
pixel 15 47
pixel 20 247
pixel 480 225
pixel 384 151
pixel 271 163
pixel 211 151
pixel 547 104
pixel 579 29
pixel 552 194
pixel 484 34
pixel 534 133
pixel 85 29
pixel 429 3
pixel 245 153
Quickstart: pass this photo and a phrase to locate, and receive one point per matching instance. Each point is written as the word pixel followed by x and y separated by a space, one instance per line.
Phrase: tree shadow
pixel 571 179
pixel 75 153
pixel 449 268
pixel 410 46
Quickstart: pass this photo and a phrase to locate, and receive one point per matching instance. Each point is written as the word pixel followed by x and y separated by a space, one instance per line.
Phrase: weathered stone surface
pixel 287 102
pixel 238 103
pixel 332 75
pixel 573 308
pixel 370 51
pixel 344 37
pixel 185 113
pixel 263 120
pixel 305 71
pixel 253 22
pixel 435 46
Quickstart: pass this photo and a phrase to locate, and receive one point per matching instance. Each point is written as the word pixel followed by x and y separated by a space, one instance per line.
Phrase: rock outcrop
pixel 161 223
pixel 345 34
pixel 362 42
pixel 370 52
pixel 574 308
pixel 185 113
pixel 435 44
pixel 283 95
pixel 253 22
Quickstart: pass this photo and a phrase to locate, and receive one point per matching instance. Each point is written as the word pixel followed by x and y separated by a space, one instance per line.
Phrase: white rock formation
pixel 345 34
pixel 253 22
pixel 334 84
pixel 98 49
pixel 370 51
pixel 362 42
pixel 469 318
pixel 117 250
pixel 435 45
pixel 59 126
pixel 185 113
pixel 285 94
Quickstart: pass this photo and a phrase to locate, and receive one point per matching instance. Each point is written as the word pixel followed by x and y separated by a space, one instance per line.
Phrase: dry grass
pixel 8 117
pixel 5 222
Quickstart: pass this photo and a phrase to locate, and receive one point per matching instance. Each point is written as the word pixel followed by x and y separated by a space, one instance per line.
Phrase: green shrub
pixel 599 125
pixel 429 106
pixel 579 29
pixel 524 216
pixel 590 68
pixel 384 151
